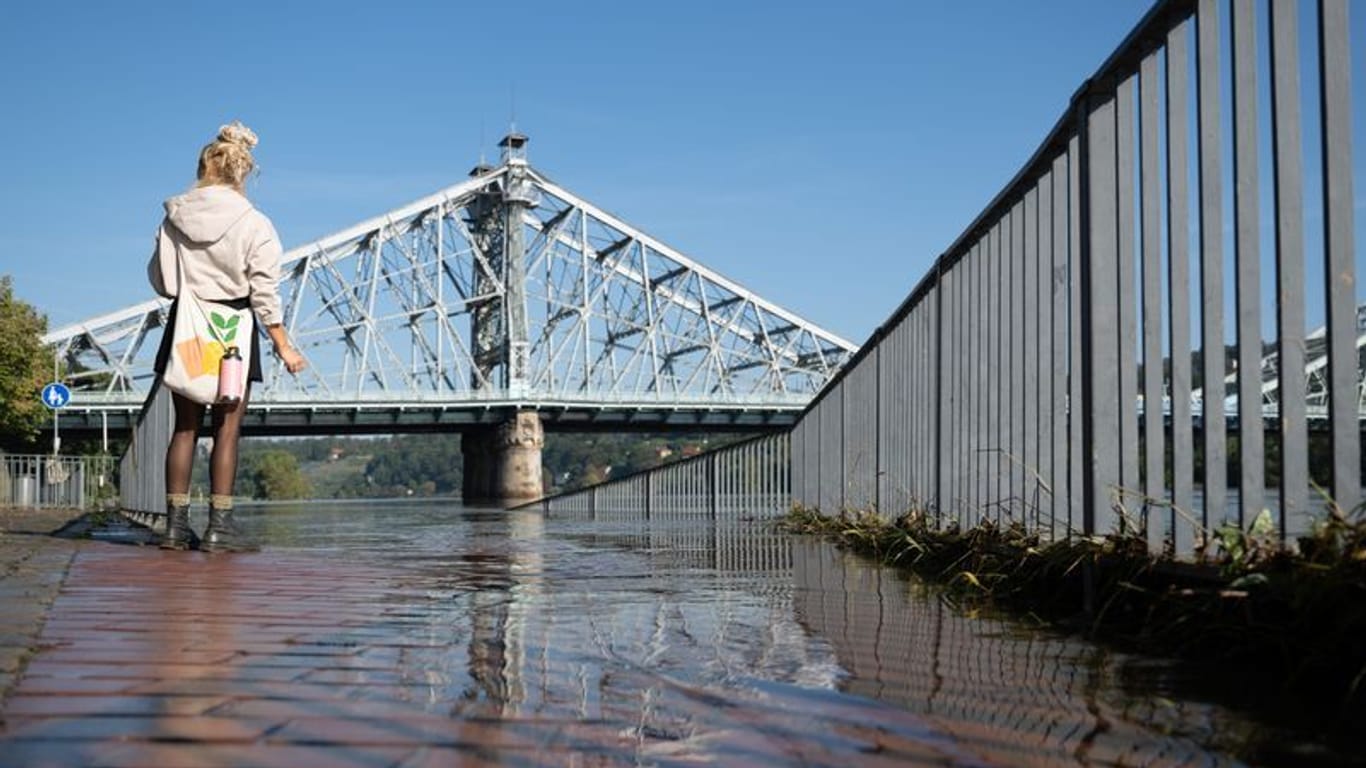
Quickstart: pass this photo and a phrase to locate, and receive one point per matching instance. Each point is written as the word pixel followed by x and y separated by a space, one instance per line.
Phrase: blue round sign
pixel 56 395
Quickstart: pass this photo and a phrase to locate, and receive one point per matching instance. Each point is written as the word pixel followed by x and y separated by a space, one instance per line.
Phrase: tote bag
pixel 202 333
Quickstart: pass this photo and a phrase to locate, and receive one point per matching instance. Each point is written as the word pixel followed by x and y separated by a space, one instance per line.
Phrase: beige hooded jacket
pixel 230 250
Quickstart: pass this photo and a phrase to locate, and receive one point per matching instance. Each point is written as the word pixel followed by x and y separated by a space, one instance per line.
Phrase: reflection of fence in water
pixel 718 606
pixel 1020 696
pixel 725 547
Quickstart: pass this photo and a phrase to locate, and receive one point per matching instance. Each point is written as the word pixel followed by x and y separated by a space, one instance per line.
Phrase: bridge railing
pixel 744 480
pixel 57 482
pixel 493 398
pixel 1007 386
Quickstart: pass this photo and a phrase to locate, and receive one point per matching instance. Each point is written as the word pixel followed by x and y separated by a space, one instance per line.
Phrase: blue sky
pixel 821 154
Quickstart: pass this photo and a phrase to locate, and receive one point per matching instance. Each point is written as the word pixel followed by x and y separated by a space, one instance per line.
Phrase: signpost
pixel 56 396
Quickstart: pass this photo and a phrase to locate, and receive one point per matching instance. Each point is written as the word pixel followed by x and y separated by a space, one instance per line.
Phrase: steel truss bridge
pixel 1315 354
pixel 503 292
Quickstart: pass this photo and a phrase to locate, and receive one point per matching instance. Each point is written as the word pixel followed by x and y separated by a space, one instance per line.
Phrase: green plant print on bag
pixel 223 329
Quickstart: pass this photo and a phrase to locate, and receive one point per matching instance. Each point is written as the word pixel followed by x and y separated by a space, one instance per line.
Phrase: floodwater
pixel 729 643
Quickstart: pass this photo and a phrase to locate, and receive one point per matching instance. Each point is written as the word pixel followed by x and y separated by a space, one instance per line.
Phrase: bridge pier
pixel 503 463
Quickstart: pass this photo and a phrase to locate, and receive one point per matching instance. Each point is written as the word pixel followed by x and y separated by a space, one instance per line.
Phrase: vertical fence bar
pixel 965 326
pixel 1128 297
pixel 960 285
pixel 1047 351
pixel 984 373
pixel 991 364
pixel 976 375
pixel 879 414
pixel 1178 285
pixel 1101 358
pixel 843 404
pixel 1017 368
pixel 1058 292
pixel 1154 452
pixel 1029 332
pixel 1001 371
pixel 1213 441
pixel 890 429
pixel 949 393
pixel 932 424
pixel 1287 170
pixel 1250 437
pixel 919 395
pixel 939 427
pixel 1335 101
pixel 1076 378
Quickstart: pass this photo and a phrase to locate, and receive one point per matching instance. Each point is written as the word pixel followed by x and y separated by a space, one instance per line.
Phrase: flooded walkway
pixel 416 635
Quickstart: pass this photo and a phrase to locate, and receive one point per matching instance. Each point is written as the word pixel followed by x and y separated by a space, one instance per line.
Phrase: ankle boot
pixel 179 534
pixel 223 533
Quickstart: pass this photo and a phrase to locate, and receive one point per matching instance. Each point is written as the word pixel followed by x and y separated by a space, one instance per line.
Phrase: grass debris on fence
pixel 1295 617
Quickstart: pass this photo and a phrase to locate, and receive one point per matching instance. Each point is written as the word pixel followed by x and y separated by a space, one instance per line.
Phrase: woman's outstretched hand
pixel 294 362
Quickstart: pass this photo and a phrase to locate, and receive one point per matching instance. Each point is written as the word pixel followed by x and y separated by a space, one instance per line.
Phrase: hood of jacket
pixel 205 214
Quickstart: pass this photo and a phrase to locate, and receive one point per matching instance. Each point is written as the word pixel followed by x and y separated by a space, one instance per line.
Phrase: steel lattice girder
pixel 1315 375
pixel 385 310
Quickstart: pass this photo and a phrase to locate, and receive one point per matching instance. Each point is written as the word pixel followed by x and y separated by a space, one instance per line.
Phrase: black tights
pixel 227 427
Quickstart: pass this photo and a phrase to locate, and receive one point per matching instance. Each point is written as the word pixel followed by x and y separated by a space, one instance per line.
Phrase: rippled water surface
pixel 730 643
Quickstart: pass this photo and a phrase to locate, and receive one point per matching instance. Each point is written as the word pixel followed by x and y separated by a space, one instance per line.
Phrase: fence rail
pixel 1007 385
pixel 74 482
pixel 748 479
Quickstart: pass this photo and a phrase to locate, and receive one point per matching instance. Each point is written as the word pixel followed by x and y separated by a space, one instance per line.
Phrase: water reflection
pixel 691 639
pixel 1013 694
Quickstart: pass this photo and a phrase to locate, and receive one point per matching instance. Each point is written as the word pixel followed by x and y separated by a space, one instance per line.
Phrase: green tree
pixel 421 464
pixel 275 475
pixel 23 364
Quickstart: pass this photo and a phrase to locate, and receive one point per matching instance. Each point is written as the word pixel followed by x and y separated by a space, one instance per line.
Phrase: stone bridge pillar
pixel 503 463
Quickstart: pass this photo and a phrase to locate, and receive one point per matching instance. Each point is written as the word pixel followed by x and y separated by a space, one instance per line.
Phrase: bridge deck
pixel 394 417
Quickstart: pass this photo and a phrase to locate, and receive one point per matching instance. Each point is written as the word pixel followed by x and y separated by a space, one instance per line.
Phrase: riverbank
pixel 1276 620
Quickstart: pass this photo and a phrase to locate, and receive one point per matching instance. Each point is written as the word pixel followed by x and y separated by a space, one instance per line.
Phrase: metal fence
pixel 143 464
pixel 68 482
pixel 1010 384
pixel 749 479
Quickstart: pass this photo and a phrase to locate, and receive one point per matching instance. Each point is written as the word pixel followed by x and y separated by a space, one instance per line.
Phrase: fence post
pixel 937 404
pixel 878 337
pixel 649 493
pixel 1087 331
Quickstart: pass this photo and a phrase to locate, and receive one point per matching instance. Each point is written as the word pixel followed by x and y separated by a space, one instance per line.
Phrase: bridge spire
pixel 503 463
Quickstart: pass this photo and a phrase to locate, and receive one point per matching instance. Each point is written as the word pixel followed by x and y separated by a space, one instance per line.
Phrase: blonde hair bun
pixel 236 133
pixel 227 159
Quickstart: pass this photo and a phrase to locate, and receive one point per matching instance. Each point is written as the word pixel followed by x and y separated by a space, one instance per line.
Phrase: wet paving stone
pixel 415 635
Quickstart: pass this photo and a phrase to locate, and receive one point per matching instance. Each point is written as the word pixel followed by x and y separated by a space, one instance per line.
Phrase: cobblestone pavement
pixel 436 636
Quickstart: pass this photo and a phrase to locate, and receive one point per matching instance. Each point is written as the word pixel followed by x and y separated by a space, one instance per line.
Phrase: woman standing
pixel 227 252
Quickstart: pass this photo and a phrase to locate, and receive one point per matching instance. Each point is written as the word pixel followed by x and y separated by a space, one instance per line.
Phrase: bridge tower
pixel 503 463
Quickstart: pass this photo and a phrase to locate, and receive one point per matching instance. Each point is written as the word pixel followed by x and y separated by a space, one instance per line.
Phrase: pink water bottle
pixel 230 377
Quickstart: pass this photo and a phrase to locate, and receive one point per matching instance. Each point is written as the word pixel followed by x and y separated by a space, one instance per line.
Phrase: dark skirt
pixel 168 336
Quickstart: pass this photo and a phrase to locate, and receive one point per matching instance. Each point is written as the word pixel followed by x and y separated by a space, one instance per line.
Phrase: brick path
pixel 152 658
pixel 469 639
